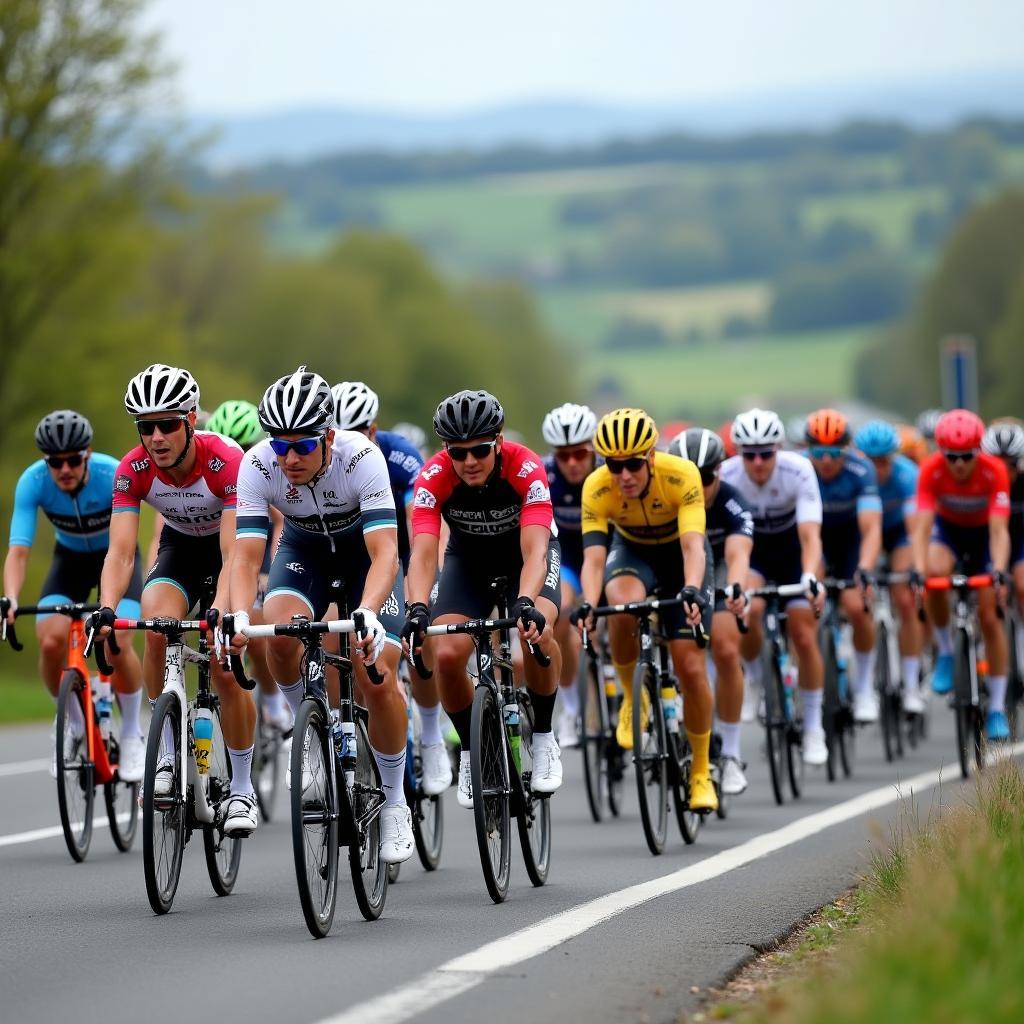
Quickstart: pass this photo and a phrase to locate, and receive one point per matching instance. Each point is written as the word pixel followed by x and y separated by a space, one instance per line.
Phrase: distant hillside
pixel 301 134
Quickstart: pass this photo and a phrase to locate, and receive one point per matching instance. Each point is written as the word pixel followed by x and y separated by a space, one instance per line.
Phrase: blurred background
pixel 657 204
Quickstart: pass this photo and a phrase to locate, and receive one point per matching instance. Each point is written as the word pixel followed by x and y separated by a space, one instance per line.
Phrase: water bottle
pixel 611 680
pixel 511 712
pixel 202 732
pixel 103 707
pixel 344 734
pixel 789 679
pixel 669 709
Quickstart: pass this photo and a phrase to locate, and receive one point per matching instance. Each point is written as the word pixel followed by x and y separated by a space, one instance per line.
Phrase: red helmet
pixel 827 427
pixel 725 433
pixel 959 430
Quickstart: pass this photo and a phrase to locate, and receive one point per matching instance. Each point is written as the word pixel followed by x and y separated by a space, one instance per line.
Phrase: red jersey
pixel 194 506
pixel 985 493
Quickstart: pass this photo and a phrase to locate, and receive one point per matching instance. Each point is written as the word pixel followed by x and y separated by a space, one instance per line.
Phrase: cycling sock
pixel 730 733
pixel 292 694
pixel 570 699
pixel 392 775
pixel 543 708
pixel 911 673
pixel 997 693
pixel 753 671
pixel 944 639
pixel 865 670
pixel 430 722
pixel 811 701
pixel 699 744
pixel 241 771
pixel 273 703
pixel 625 674
pixel 461 720
pixel 130 704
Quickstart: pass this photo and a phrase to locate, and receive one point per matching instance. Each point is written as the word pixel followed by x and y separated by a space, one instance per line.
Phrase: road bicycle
pixel 837 700
pixel 1014 679
pixel 267 755
pixel 90 760
pixel 600 700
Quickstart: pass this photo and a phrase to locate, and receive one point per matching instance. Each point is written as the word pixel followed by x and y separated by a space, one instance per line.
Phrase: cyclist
pixel 782 490
pixel 926 424
pixel 340 531
pixel 416 436
pixel 190 478
pixel 494 496
pixel 356 408
pixel 912 444
pixel 897 488
pixel 730 532
pixel 851 539
pixel 655 503
pixel 963 505
pixel 72 485
pixel 1005 440
pixel 569 430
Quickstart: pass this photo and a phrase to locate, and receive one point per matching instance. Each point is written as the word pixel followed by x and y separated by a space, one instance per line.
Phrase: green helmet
pixel 237 420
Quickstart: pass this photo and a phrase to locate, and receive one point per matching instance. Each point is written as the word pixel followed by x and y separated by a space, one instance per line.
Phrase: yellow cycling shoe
pixel 624 730
pixel 702 793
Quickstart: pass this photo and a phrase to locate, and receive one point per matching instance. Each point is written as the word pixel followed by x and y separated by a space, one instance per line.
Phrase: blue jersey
pixel 81 521
pixel 854 490
pixel 899 492
pixel 567 503
pixel 404 465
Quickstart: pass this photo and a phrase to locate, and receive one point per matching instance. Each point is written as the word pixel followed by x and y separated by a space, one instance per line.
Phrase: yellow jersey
pixel 673 504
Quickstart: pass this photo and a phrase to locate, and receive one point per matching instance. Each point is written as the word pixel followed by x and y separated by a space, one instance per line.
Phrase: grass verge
pixel 23 699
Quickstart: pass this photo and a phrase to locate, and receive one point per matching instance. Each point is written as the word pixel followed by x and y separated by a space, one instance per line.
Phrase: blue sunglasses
pixel 303 446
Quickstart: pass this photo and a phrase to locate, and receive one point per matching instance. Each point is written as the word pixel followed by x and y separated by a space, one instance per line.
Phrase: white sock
pixel 753 671
pixel 811 701
pixel 570 699
pixel 130 704
pixel 430 723
pixel 292 694
pixel 944 639
pixel 274 703
pixel 911 673
pixel 996 686
pixel 392 775
pixel 730 733
pixel 865 670
pixel 241 771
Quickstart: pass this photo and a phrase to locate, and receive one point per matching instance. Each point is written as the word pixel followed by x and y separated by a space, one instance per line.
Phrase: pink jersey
pixel 194 506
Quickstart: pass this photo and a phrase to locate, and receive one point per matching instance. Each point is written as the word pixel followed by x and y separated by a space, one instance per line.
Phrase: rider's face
pixel 759 463
pixel 68 478
pixel 632 483
pixel 300 469
pixel 165 447
pixel 475 469
pixel 575 461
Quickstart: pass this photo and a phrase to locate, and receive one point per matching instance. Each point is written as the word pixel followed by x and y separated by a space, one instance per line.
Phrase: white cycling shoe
pixel 396 838
pixel 566 730
pixel 132 764
pixel 242 815
pixel 547 764
pixel 163 782
pixel 437 768
pixel 913 703
pixel 865 706
pixel 734 781
pixel 815 752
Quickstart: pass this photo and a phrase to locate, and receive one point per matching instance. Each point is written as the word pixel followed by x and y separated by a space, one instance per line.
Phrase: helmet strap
pixel 184 451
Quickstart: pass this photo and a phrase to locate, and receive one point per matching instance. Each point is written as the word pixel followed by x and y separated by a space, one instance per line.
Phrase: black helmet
pixel 297 402
pixel 63 431
pixel 468 414
pixel 702 447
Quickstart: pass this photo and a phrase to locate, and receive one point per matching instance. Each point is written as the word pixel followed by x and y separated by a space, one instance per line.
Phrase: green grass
pixel 888 212
pixel 23 698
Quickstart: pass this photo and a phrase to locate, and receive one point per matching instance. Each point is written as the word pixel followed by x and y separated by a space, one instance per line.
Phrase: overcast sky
pixel 243 56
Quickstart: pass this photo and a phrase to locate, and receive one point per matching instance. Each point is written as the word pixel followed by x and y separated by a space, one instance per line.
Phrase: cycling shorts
pixel 969 545
pixel 74 575
pixel 572 577
pixel 660 568
pixel 777 558
pixel 895 537
pixel 192 564
pixel 840 546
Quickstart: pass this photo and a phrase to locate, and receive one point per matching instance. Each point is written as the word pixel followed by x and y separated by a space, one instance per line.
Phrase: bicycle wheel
pixel 615 763
pixel 650 756
pixel 266 766
pixel 830 707
pixel 1013 680
pixel 76 791
pixel 491 811
pixel 962 704
pixel 163 816
pixel 593 735
pixel 775 741
pixel 365 802
pixel 427 820
pixel 533 813
pixel 121 798
pixel 314 807
pixel 223 853
pixel 888 722
pixel 717 765
pixel 679 772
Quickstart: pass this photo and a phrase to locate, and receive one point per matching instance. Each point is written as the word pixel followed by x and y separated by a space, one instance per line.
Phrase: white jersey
pixel 789 496
pixel 352 494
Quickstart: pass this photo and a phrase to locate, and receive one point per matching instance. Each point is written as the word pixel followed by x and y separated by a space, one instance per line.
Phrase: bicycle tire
pixel 121 798
pixel 679 775
pixel 650 757
pixel 164 817
pixel 76 790
pixel 490 775
pixel 533 814
pixel 223 853
pixel 593 734
pixel 314 810
pixel 830 699
pixel 266 767
pixel 888 724
pixel 427 825
pixel 365 801
pixel 775 740
pixel 1014 684
pixel 717 767
pixel 962 700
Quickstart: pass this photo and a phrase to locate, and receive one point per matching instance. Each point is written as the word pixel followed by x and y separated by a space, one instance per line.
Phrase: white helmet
pixel 355 405
pixel 757 427
pixel 569 424
pixel 298 402
pixel 416 436
pixel 1005 440
pixel 160 388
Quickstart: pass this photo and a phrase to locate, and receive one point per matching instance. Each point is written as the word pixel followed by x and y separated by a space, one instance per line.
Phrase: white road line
pixel 16 838
pixel 456 976
pixel 40 764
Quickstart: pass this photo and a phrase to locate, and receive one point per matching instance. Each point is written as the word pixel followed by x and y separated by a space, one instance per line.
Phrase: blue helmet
pixel 877 438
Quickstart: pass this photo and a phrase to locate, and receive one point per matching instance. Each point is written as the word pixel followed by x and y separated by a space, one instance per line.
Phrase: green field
pixel 23 698
pixel 888 212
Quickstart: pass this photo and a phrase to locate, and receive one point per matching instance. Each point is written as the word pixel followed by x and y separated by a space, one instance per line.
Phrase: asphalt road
pixel 80 941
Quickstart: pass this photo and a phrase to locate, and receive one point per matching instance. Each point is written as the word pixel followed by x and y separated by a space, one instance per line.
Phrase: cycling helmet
pixel 301 402
pixel 1005 440
pixel 416 436
pixel 63 431
pixel 622 433
pixel 160 388
pixel 355 405
pixel 702 447
pixel 827 426
pixel 569 424
pixel 877 439
pixel 469 414
pixel 927 422
pixel 912 444
pixel 237 420
pixel 796 430
pixel 959 430
pixel 757 428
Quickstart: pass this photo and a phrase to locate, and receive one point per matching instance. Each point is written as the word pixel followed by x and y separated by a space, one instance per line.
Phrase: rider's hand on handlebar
pixel 11 604
pixel 237 641
pixel 531 622
pixel 814 590
pixel 864 579
pixel 101 622
pixel 583 617
pixel 695 604
pixel 371 643
pixel 417 618
pixel 737 601
pixel 999 583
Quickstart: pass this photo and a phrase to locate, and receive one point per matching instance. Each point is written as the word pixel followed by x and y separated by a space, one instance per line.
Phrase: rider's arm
pixel 23 530
pixel 422 568
pixel 921 531
pixel 382 546
pixel 246 562
pixel 869 522
pixel 533 542
pixel 227 554
pixel 999 542
pixel 810 546
pixel 154 544
pixel 120 559
pixel 737 558
pixel 592 572
pixel 694 559
pixel 15 565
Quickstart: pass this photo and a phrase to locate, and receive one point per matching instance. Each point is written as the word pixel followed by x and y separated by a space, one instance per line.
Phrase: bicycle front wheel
pixel 830 705
pixel 775 740
pixel 121 799
pixel 491 813
pixel 1014 685
pixel 76 791
pixel 963 700
pixel 533 815
pixel 689 821
pixel 593 734
pixel 163 814
pixel 888 714
pixel 650 756
pixel 223 853
pixel 366 800
pixel 266 766
pixel 427 822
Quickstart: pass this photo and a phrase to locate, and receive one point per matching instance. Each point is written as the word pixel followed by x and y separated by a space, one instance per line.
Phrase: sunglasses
pixel 58 461
pixel 166 426
pixel 959 456
pixel 708 476
pixel 633 464
pixel 753 454
pixel 820 451
pixel 574 454
pixel 303 446
pixel 478 451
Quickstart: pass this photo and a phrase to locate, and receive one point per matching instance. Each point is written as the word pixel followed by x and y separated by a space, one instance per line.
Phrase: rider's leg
pixel 863 624
pixel 802 628
pixel 911 629
pixel 725 649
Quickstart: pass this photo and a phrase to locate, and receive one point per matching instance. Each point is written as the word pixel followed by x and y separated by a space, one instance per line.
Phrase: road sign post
pixel 959 372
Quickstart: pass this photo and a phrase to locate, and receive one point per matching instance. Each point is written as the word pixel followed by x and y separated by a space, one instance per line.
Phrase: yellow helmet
pixel 625 432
